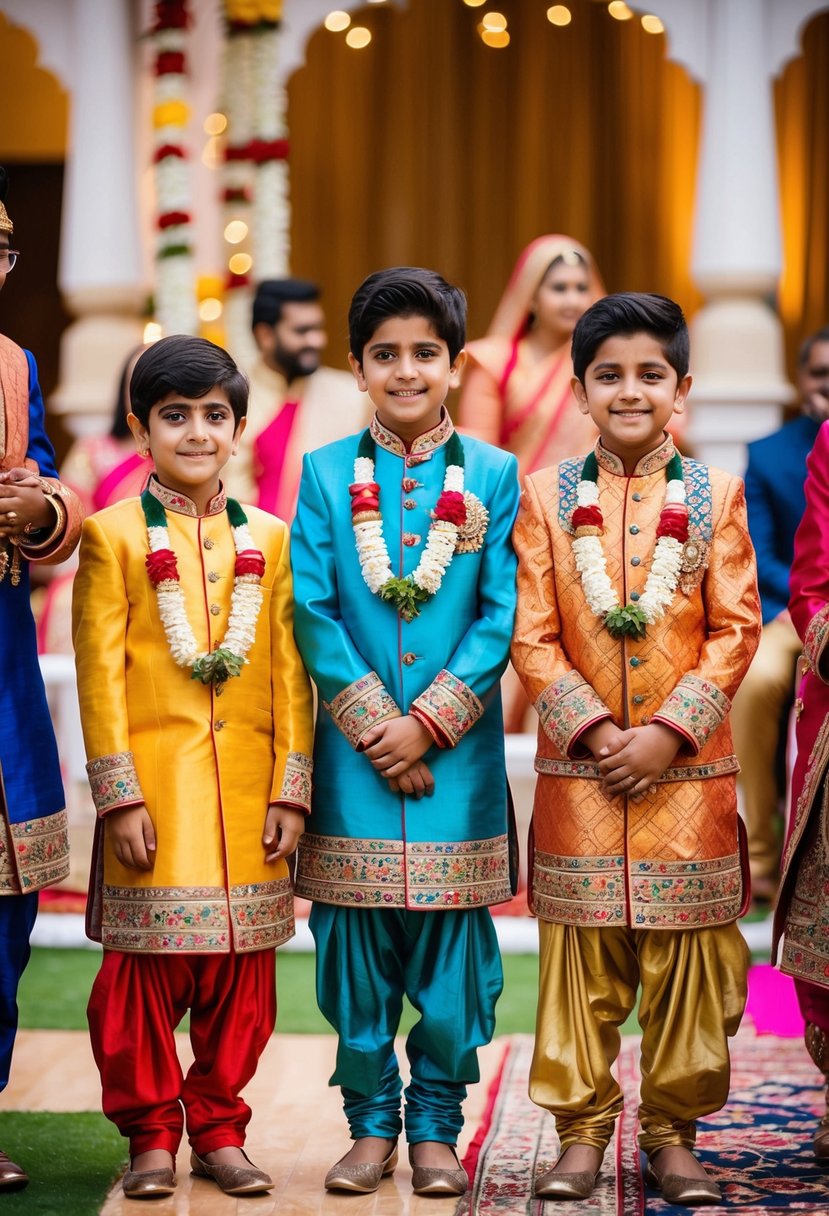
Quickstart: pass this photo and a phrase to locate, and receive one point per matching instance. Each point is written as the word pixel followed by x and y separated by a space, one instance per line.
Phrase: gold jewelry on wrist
pixel 32 548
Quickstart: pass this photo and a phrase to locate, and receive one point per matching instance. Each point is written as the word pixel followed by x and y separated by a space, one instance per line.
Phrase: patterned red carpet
pixel 757 1148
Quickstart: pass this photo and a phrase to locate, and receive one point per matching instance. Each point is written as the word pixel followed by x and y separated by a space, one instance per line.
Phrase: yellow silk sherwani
pixel 206 766
pixel 671 861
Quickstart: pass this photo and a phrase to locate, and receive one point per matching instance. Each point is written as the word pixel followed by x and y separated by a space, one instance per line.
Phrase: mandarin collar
pixel 171 500
pixel 424 444
pixel 651 463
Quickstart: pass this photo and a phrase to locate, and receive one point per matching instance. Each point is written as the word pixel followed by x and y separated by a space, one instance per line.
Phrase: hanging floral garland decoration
pixel 448 519
pixel 175 296
pixel 587 521
pixel 229 656
pixel 256 172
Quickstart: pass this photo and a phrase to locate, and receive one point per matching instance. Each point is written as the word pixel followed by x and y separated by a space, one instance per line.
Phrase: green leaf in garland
pixel 405 594
pixel 627 622
pixel 217 668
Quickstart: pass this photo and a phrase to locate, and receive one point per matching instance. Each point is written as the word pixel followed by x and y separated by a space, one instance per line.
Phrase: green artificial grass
pixel 72 1161
pixel 56 984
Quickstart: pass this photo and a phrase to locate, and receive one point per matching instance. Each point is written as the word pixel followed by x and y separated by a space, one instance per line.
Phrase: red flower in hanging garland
pixel 587 517
pixel 162 567
pixel 236 194
pixel 170 63
pixel 451 507
pixel 171 15
pixel 232 281
pixel 170 219
pixel 261 150
pixel 673 522
pixel 168 150
pixel 250 561
pixel 365 498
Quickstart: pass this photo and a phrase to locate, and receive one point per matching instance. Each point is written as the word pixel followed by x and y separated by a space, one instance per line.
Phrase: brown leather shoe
pixel 556 1185
pixel 363 1178
pixel 148 1184
pixel 820 1144
pixel 689 1192
pixel 12 1176
pixel 232 1179
pixel 427 1180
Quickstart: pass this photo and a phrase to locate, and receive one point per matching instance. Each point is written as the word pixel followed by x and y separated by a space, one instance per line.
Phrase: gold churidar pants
pixel 693 984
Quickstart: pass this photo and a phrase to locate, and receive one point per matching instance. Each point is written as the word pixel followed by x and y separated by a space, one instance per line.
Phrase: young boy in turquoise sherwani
pixel 405 594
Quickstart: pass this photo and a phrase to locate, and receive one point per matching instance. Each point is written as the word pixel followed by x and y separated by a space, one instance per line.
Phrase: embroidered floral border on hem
pixel 695 708
pixel 361 705
pixel 296 784
pixel 450 705
pixel 568 706
pixel 387 873
pixel 578 890
pixel 114 782
pixel 195 920
pixel 814 644
pixel 41 850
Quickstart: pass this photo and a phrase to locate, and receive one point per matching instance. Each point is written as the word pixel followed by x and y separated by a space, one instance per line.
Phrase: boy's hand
pixel 604 738
pixel 632 770
pixel 283 828
pixel 22 503
pixel 395 745
pixel 417 781
pixel 132 836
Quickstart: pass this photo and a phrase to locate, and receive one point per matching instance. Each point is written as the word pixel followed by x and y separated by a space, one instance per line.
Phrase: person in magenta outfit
pixel 802 915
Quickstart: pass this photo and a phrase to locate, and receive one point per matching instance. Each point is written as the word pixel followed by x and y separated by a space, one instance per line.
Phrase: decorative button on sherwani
pixel 410 504
pixel 635 561
pixel 208 543
pixel 213 576
pixel 410 539
pixel 409 658
pixel 215 609
pixel 219 724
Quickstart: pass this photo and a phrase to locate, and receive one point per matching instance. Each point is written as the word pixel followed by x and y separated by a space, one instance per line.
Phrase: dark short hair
pixel 407 291
pixel 627 313
pixel 821 335
pixel 273 294
pixel 190 366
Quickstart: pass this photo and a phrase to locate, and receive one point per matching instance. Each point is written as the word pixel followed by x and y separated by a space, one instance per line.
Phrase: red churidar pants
pixel 136 1003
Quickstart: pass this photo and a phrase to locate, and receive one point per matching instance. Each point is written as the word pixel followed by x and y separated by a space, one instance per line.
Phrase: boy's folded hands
pixel 632 762
pixel 394 748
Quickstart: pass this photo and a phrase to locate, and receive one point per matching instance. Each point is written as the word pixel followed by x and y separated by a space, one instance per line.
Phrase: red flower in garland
pixel 171 15
pixel 250 561
pixel 365 496
pixel 261 150
pixel 673 521
pixel 162 567
pixel 451 507
pixel 587 517
pixel 170 63
pixel 172 218
pixel 168 150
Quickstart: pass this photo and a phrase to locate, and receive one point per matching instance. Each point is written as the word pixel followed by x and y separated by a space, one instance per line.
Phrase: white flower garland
pixel 663 578
pixel 375 563
pixel 245 605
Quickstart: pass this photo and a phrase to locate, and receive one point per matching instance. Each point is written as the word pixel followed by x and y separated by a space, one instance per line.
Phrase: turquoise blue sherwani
pixel 401 887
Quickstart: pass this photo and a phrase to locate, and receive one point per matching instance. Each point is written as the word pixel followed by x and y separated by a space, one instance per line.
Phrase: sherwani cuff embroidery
pixel 114 782
pixel 438 737
pixel 363 704
pixel 814 644
pixel 566 708
pixel 450 706
pixel 296 784
pixel 695 709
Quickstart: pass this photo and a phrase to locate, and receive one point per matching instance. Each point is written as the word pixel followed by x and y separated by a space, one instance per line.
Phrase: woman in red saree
pixel 516 391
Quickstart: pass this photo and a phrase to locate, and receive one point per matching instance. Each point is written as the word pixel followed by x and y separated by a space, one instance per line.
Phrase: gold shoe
pixel 12 1176
pixel 428 1180
pixel 363 1178
pixel 232 1179
pixel 148 1184
pixel 557 1185
pixel 686 1191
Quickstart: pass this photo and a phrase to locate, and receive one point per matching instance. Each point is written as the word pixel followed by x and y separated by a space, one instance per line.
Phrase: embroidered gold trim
pixel 568 705
pixel 588 770
pixel 388 873
pixel 114 782
pixel 361 705
pixel 697 707
pixel 296 784
pixel 817 632
pixel 172 500
pixel 197 920
pixel 652 463
pixel 451 705
pixel 33 854
pixel 428 442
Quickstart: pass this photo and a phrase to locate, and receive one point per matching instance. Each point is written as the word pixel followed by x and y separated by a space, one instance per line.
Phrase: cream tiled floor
pixel 296 1133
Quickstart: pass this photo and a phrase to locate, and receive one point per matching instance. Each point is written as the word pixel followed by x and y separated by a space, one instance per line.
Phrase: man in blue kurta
pixel 40 520
pixel 405 588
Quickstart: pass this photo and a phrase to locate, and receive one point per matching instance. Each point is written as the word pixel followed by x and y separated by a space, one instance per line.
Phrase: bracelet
pixel 30 548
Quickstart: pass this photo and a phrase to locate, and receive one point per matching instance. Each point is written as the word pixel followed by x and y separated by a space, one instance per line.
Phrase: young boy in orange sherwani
pixel 183 595
pixel 637 618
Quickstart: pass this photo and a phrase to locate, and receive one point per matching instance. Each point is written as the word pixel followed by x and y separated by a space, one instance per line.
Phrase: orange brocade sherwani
pixel 673 860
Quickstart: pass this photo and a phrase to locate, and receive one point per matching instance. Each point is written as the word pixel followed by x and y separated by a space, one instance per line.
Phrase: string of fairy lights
pixel 493 26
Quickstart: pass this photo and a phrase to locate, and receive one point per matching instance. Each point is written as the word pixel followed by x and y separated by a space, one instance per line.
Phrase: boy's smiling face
pixel 407 372
pixel 191 440
pixel 631 391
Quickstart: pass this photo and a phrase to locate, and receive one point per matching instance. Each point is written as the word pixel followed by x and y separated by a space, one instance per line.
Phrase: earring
pixel 143 453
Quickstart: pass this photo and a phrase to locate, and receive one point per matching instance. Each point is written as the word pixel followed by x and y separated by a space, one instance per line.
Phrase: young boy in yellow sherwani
pixel 198 726
pixel 637 618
